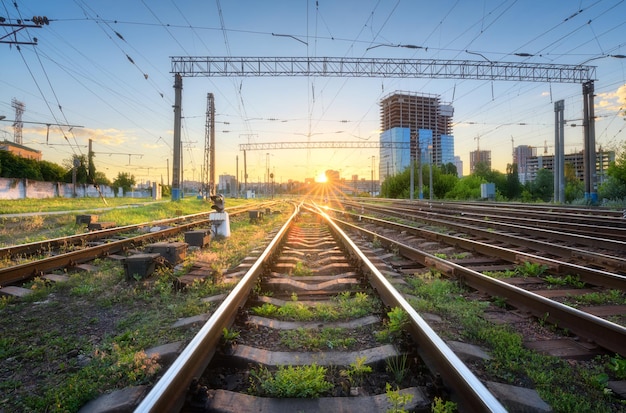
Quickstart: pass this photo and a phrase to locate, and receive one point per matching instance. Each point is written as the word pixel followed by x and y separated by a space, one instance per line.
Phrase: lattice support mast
pixel 208 168
pixel 17 124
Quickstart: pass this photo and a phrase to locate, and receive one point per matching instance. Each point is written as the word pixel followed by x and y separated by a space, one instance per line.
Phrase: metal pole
pixel 245 176
pixel 267 176
pixel 372 179
pixel 419 172
pixel 176 164
pixel 559 152
pixel 589 155
pixel 412 179
pixel 592 146
pixel 430 181
pixel 212 146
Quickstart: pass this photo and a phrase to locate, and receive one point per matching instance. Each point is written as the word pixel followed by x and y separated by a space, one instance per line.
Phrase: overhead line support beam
pixel 195 66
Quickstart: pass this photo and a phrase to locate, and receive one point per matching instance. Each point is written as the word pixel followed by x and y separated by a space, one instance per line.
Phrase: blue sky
pixel 80 73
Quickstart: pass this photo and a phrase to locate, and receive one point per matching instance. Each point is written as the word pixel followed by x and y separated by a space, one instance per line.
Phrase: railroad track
pixel 589 223
pixel 474 261
pixel 39 258
pixel 565 244
pixel 313 269
pixel 340 272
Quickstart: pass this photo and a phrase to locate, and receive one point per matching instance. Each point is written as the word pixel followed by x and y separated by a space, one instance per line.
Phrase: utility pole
pixel 208 179
pixel 267 167
pixel 38 22
pixel 176 163
pixel 559 152
pixel 373 158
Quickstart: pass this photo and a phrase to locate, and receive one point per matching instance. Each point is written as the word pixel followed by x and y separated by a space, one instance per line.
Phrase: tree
pixel 574 187
pixel 482 169
pixel 615 186
pixel 14 166
pixel 99 178
pixel 543 186
pixel 449 169
pixel 396 186
pixel 81 169
pixel 125 181
pixel 513 187
pixel 444 179
pixel 467 187
pixel 51 172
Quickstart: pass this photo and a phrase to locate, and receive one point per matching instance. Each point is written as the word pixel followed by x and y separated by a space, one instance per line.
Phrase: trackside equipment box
pixel 198 238
pixel 173 252
pixel 140 266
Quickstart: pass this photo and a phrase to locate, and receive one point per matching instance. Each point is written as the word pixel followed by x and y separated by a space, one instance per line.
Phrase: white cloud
pixel 612 101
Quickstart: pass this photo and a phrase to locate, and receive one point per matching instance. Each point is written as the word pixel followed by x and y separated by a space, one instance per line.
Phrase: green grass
pixel 88 336
pixel 394 325
pixel 289 381
pixel 356 371
pixel 609 297
pixel 23 230
pixel 530 269
pixel 344 306
pixel 18 206
pixel 568 280
pixel 565 387
pixel 301 270
pixel 312 340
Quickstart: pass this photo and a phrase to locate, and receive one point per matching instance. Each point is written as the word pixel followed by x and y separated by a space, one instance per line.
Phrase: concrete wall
pixel 11 188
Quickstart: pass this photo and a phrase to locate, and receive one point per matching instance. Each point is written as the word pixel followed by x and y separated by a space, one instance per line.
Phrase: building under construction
pixel 416 121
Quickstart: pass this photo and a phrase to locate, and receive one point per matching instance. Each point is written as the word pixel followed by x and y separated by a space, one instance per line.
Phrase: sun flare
pixel 321 178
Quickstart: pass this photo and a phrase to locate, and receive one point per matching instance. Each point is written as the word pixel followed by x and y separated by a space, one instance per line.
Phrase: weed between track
pixel 67 343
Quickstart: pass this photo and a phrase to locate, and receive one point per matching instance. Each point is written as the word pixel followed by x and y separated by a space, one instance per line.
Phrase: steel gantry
pixel 190 66
pixel 321 145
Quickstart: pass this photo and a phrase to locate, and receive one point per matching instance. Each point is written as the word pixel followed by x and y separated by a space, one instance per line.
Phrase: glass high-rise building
pixel 422 121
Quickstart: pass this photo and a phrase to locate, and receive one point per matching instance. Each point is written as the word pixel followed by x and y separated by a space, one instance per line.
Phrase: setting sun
pixel 321 178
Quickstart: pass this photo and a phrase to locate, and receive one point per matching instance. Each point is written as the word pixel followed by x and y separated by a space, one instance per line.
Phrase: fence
pixel 15 188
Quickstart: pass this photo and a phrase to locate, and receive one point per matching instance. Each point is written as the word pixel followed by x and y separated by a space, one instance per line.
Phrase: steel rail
pixel 168 393
pixel 608 335
pixel 19 273
pixel 590 275
pixel 547 209
pixel 42 246
pixel 614 262
pixel 586 233
pixel 473 394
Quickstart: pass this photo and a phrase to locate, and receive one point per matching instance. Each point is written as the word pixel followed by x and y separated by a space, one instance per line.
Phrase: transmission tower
pixel 17 124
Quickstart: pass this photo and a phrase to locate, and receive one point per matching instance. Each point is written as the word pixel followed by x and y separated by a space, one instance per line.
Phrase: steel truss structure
pixel 190 66
pixel 321 145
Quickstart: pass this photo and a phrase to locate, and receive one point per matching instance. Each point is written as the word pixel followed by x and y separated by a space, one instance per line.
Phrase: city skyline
pixel 107 73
